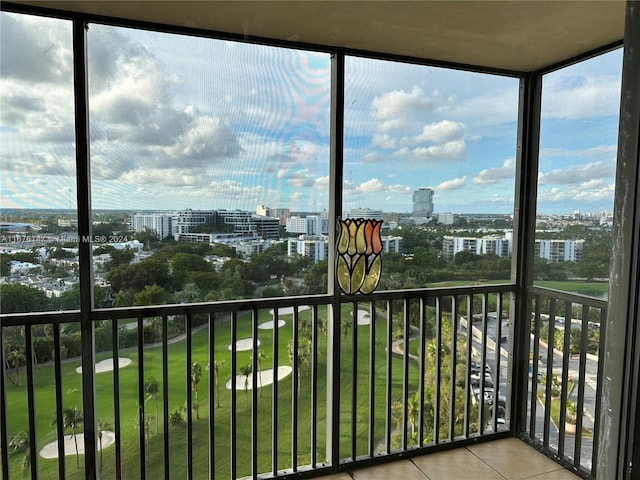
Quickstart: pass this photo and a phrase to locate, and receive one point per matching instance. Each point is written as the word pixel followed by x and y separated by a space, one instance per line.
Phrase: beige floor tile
pixel 458 463
pixel 337 476
pixel 561 474
pixel 403 469
pixel 513 458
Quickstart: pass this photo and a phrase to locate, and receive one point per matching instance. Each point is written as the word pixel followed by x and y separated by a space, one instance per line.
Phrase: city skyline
pixel 179 122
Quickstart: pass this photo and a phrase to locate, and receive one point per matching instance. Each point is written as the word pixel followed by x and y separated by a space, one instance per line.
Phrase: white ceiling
pixel 511 35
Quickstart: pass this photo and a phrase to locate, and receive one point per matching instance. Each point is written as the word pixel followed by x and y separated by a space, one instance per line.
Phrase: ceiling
pixel 509 35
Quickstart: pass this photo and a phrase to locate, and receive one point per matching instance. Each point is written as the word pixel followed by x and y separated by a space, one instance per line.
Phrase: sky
pixel 180 122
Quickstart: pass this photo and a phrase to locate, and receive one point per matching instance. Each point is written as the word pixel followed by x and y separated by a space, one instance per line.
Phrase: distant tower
pixel 423 203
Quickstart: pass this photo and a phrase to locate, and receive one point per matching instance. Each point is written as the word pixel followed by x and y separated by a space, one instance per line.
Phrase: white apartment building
pixel 309 225
pixel 555 251
pixel 391 244
pixel 552 251
pixel 158 223
pixel 315 247
pixel 365 213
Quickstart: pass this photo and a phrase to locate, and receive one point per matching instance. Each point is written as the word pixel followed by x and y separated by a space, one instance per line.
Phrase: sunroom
pixel 181 182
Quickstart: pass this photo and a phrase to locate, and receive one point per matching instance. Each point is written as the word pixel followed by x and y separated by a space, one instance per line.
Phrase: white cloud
pixel 440 132
pixel 578 173
pixel 371 157
pixel 450 151
pixel 377 185
pixel 453 184
pixel 570 96
pixel 373 185
pixel 396 109
pixel 165 177
pixel 586 192
pixel 491 176
pixel 598 151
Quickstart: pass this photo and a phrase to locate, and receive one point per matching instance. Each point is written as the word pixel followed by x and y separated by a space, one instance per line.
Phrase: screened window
pixel 431 152
pixel 209 164
pixel 578 143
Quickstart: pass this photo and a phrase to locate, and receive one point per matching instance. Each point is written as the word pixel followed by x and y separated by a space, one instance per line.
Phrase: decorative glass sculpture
pixel 359 263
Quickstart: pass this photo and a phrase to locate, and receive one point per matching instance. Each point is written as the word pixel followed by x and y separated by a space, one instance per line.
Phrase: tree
pixel 15 297
pixel 122 299
pixel 216 378
pixel 151 295
pixel 246 371
pixel 19 442
pixel 71 420
pixel 183 264
pixel 103 425
pixel 16 359
pixel 259 357
pixel 151 390
pixel 196 376
pixel 190 293
pixel 413 410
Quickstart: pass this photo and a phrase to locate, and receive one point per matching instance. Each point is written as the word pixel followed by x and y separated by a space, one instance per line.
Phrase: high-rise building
pixel 365 213
pixel 309 225
pixel 158 223
pixel 423 203
pixel 316 247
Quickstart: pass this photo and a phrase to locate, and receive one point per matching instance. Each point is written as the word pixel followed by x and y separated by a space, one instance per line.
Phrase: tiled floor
pixel 508 459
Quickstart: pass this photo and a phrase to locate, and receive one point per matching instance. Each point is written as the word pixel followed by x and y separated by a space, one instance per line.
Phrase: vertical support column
pixel 524 243
pixel 83 179
pixel 619 424
pixel 335 210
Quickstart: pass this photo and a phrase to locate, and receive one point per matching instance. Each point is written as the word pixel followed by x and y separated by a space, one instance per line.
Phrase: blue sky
pixel 180 122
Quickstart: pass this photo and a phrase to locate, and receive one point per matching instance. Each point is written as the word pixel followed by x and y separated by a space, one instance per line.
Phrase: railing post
pixel 524 243
pixel 83 178
pixel 619 424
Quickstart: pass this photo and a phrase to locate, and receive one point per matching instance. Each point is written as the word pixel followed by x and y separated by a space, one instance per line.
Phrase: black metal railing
pixel 565 369
pixel 286 387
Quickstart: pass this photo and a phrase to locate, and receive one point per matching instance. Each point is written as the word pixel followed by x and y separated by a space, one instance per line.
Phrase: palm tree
pixel 122 299
pixel 413 410
pixel 246 371
pixel 347 323
pixel 196 375
pixel 190 293
pixel 103 424
pixel 151 389
pixel 19 442
pixel 71 419
pixel 16 358
pixel 259 357
pixel 216 377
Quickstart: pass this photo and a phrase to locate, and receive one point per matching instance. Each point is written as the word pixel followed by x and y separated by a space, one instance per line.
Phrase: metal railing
pixel 287 387
pixel 565 369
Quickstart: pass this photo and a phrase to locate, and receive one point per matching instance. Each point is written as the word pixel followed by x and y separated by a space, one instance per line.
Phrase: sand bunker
pixel 243 344
pixel 50 450
pixel 106 365
pixel 269 325
pixel 364 318
pixel 289 310
pixel 265 378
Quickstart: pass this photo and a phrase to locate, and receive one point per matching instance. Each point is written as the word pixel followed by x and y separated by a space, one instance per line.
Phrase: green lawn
pixel 71 388
pixel 594 289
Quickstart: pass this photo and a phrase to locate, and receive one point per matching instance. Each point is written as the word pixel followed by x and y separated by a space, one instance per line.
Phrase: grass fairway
pixel 591 289
pixel 179 387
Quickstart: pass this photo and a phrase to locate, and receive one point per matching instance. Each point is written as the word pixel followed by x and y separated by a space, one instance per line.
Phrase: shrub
pixel 176 418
